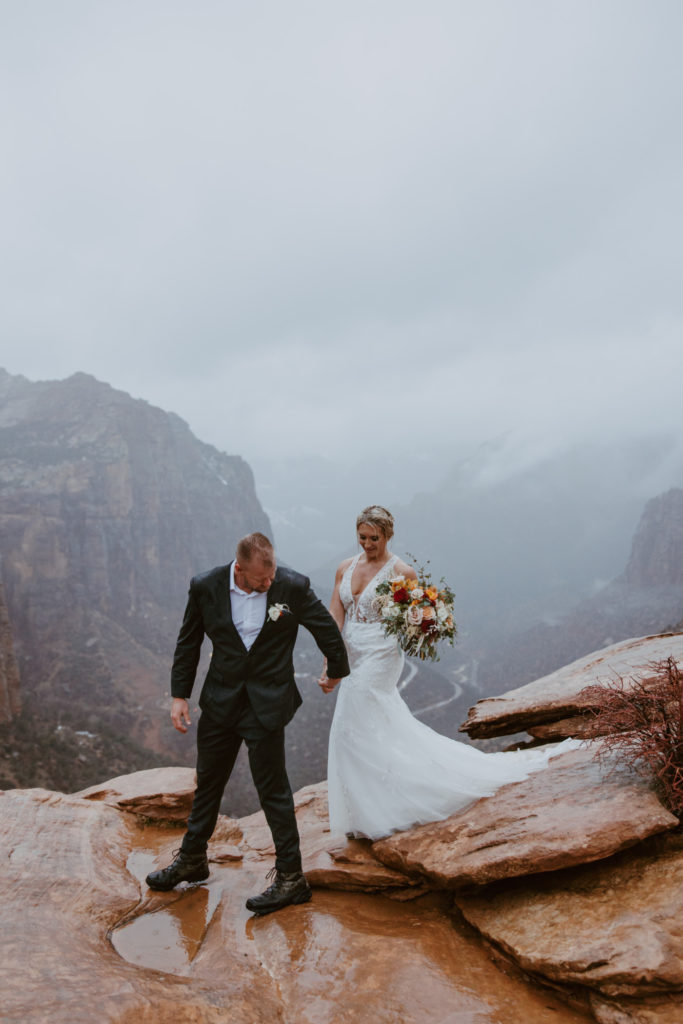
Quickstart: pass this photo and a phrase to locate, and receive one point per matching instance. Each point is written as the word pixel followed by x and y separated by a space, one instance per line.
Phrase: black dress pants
pixel 217 747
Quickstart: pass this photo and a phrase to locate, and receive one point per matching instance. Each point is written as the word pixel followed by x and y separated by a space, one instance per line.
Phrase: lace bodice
pixel 361 609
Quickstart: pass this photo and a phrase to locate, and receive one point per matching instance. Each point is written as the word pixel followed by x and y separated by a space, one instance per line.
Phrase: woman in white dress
pixel 386 770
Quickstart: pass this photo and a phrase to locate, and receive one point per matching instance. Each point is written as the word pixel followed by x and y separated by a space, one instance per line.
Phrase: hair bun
pixel 379 517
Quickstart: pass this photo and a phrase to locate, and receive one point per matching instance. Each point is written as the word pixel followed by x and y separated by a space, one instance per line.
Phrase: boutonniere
pixel 276 610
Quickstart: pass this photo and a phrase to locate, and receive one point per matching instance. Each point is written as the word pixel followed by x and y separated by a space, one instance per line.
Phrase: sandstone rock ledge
pixel 576 875
pixel 571 813
pixel 573 877
pixel 83 940
pixel 555 706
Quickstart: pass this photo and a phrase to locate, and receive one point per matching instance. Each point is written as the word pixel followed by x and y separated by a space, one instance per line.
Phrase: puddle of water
pixel 169 931
pixel 168 939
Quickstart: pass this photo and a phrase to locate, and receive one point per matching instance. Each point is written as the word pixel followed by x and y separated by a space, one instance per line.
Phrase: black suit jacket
pixel 266 670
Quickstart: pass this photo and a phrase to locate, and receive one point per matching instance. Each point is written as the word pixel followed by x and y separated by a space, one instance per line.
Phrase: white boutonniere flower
pixel 276 610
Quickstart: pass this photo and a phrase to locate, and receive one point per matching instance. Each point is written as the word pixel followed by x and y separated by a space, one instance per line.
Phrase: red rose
pixel 428 626
pixel 400 595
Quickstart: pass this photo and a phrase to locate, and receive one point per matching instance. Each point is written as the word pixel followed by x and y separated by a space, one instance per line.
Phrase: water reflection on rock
pixel 169 938
pixel 343 957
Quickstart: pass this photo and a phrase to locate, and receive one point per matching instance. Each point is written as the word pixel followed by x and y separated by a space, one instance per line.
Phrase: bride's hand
pixel 326 684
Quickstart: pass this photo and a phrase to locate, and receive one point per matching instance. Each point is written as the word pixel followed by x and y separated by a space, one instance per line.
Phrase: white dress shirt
pixel 248 611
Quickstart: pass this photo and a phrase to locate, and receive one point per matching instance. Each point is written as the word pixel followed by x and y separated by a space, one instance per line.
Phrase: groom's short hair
pixel 255 545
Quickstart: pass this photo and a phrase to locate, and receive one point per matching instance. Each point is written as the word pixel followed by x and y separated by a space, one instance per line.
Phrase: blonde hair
pixel 379 517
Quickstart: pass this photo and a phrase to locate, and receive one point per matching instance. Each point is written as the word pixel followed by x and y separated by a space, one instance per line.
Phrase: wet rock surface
pixel 350 866
pixel 572 812
pixel 75 868
pixel 66 886
pixel 665 1010
pixel 559 695
pixel 614 926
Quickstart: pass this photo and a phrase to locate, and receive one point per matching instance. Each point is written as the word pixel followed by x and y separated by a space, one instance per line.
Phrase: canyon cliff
pixel 108 506
pixel 10 703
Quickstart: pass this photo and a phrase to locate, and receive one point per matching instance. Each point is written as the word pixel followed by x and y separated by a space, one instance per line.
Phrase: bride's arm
pixel 336 606
pixel 337 613
pixel 403 569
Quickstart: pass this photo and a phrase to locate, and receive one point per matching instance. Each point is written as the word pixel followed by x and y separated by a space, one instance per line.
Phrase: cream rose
pixel 417 594
pixel 414 616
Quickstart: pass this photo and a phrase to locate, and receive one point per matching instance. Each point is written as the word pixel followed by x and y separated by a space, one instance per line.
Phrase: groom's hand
pixel 327 685
pixel 180 713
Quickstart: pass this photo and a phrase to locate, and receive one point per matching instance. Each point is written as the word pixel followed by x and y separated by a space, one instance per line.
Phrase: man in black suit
pixel 251 611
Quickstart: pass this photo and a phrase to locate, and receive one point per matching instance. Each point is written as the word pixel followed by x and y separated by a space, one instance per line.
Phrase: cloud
pixel 309 217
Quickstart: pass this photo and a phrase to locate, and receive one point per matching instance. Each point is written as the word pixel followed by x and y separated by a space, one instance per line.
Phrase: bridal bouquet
pixel 417 613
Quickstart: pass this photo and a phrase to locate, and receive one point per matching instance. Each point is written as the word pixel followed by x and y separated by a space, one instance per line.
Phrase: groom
pixel 251 611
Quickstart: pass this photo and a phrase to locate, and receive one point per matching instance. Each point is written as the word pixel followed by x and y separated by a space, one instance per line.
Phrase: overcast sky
pixel 326 226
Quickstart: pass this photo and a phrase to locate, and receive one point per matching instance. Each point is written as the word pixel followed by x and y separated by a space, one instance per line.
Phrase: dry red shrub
pixel 641 722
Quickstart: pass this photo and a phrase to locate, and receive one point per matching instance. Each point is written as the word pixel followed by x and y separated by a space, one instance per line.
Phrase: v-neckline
pixel 372 580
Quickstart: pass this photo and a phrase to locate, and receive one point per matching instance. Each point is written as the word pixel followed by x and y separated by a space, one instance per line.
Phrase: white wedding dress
pixel 387 770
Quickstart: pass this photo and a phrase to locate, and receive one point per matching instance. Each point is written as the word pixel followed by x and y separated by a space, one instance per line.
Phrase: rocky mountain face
pixel 646 598
pixel 657 554
pixel 107 507
pixel 10 704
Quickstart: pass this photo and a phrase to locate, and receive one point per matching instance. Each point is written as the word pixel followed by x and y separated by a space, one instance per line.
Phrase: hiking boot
pixel 287 887
pixel 187 867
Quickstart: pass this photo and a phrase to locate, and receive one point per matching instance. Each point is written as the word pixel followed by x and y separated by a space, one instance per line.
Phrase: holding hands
pixel 326 684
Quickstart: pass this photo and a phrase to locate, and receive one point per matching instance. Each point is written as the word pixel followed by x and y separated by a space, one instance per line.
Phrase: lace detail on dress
pixel 362 610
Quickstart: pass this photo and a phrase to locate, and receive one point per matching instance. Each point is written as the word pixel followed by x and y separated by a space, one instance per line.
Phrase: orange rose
pixel 428 613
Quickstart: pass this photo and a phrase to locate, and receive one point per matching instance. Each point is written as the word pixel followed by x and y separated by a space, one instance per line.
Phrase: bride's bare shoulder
pixel 403 569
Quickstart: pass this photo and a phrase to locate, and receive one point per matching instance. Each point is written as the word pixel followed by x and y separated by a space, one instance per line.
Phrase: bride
pixel 386 770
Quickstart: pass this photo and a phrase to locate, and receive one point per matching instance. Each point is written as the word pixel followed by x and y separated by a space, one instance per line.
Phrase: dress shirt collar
pixel 233 585
pixel 238 590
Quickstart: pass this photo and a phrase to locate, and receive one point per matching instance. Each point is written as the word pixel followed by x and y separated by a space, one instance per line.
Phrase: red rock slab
pixel 65 887
pixel 157 793
pixel 614 926
pixel 227 830
pixel 353 868
pixel 666 1010
pixel 580 727
pixel 350 866
pixel 342 958
pixel 569 813
pixel 223 853
pixel 559 695
pixel 356 958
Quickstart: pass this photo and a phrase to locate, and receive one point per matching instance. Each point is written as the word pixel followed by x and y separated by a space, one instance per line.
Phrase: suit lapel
pixel 272 597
